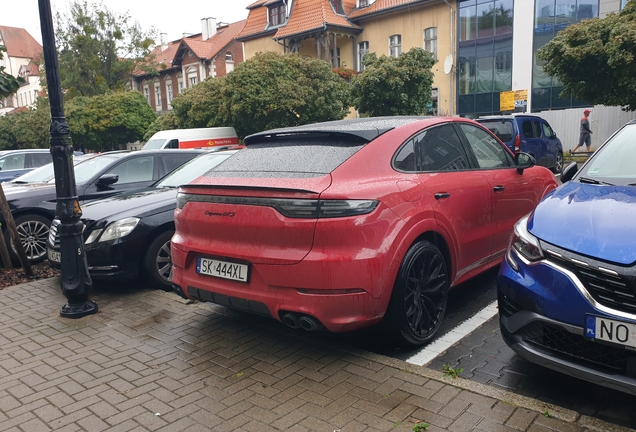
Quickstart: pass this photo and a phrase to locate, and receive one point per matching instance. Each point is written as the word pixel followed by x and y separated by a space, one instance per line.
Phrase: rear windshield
pixel 502 128
pixel 154 144
pixel 292 156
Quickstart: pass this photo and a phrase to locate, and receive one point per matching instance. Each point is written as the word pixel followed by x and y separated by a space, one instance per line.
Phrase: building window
pixel 147 93
pixel 337 6
pixel 395 45
pixel 228 57
pixel 363 49
pixel 192 80
pixel 363 3
pixel 430 41
pixel 169 93
pixel 277 14
pixel 158 96
pixel 180 85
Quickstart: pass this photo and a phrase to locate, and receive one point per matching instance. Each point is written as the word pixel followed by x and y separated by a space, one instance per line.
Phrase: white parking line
pixel 439 345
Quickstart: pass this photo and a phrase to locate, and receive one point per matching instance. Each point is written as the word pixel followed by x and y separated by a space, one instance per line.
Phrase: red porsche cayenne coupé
pixel 344 224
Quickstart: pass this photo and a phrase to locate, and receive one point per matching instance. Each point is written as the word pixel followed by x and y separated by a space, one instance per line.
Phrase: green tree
pixel 105 122
pixel 163 122
pixel 199 106
pixel 99 49
pixel 273 90
pixel 595 60
pixel 394 86
pixel 8 83
pixel 26 129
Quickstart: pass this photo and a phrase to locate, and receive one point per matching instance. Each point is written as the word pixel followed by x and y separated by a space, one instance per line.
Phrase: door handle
pixel 441 195
pixel 499 188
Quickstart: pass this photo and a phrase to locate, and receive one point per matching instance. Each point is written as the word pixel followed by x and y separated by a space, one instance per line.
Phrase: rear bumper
pixel 321 289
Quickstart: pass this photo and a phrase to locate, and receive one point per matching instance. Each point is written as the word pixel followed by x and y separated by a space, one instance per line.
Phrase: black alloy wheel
pixel 419 298
pixel 158 261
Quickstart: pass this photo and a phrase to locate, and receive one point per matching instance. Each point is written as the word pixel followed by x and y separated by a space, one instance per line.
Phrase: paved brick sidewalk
pixel 150 362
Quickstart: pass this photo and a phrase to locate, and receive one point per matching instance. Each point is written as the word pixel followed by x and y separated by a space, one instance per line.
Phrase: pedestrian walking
pixel 585 135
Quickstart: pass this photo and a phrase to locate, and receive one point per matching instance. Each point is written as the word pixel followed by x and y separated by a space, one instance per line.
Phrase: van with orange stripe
pixel 192 138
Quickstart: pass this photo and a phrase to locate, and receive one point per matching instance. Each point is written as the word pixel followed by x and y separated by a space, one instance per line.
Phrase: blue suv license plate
pixel 609 330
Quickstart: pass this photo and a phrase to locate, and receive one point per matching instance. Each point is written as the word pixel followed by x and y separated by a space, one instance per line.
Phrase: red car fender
pixel 409 235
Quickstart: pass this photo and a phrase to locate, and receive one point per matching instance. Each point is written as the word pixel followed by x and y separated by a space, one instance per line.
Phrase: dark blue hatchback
pixel 529 134
pixel 567 288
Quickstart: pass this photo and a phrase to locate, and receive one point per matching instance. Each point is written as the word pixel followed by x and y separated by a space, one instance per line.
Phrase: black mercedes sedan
pixel 128 235
pixel 33 204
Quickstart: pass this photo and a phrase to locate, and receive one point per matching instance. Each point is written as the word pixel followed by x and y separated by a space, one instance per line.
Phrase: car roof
pixel 365 128
pixel 509 116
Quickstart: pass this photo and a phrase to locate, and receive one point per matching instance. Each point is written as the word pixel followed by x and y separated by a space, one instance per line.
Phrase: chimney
pixel 164 44
pixel 208 27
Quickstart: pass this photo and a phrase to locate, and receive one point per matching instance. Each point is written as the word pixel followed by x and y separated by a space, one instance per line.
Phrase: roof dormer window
pixel 364 3
pixel 277 14
pixel 337 6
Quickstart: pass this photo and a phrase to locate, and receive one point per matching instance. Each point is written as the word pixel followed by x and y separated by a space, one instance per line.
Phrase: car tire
pixel 158 261
pixel 33 231
pixel 558 164
pixel 419 297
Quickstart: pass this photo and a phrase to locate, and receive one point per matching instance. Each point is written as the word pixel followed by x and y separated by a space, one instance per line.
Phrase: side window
pixel 547 130
pixel 172 162
pixel 405 158
pixel 488 152
pixel 35 160
pixel 134 170
pixel 173 144
pixel 12 161
pixel 526 128
pixel 439 149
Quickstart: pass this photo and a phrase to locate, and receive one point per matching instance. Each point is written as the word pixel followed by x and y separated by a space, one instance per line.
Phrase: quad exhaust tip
pixel 305 322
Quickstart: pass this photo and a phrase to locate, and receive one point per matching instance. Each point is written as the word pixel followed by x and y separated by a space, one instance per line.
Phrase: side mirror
pixel 524 161
pixel 107 180
pixel 569 171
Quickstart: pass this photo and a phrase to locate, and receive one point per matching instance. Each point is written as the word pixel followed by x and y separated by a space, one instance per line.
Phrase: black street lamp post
pixel 75 278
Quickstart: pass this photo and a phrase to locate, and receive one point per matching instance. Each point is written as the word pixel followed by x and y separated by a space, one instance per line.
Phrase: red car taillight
pixel 518 144
pixel 293 208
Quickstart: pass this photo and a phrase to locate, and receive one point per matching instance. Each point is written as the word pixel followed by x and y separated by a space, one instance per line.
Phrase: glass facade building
pixel 485 52
pixel 552 16
pixel 484 55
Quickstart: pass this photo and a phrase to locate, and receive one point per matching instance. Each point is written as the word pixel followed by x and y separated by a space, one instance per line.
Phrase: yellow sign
pixel 507 101
pixel 510 100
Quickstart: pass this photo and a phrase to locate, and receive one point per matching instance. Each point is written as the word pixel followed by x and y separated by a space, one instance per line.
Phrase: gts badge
pixel 226 214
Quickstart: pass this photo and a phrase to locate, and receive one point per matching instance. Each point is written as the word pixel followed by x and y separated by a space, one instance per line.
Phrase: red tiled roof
pixel 310 15
pixel 256 4
pixel 20 43
pixel 256 21
pixel 203 49
pixel 348 6
pixel 381 5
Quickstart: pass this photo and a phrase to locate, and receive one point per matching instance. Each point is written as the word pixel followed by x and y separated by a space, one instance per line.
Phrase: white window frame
pixel 147 93
pixel 363 49
pixel 169 93
pixel 158 96
pixel 430 41
pixel 395 45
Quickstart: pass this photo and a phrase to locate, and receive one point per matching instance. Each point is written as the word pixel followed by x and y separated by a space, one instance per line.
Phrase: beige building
pixel 341 32
pixel 23 51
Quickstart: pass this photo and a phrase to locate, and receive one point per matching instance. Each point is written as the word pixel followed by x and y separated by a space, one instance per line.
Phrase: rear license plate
pixel 54 256
pixel 223 269
pixel 609 330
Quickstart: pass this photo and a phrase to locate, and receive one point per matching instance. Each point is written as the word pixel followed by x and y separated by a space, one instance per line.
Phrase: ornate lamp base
pixel 79 310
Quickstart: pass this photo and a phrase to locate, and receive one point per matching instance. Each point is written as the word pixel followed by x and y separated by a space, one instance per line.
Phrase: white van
pixel 191 138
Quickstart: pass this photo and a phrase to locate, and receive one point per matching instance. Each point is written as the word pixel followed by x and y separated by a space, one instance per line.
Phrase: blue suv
pixel 530 134
pixel 567 286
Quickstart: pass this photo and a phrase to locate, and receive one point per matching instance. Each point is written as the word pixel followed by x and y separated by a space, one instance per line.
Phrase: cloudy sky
pixel 173 18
